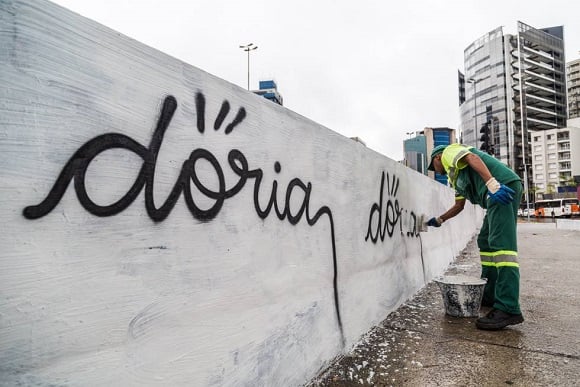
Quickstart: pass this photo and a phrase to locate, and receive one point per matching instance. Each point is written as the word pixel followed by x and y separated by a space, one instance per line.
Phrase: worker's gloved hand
pixel 499 193
pixel 435 222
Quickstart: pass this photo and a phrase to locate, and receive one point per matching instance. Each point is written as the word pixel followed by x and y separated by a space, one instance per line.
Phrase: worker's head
pixel 436 164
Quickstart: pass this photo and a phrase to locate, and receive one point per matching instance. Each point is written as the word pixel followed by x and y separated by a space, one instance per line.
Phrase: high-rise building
pixel 269 90
pixel 573 78
pixel 513 85
pixel 417 149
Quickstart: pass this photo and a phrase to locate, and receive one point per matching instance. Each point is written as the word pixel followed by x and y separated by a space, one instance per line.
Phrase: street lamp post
pixel 522 124
pixel 249 47
pixel 474 82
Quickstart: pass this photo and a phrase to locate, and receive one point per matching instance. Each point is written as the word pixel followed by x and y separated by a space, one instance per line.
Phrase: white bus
pixel 565 207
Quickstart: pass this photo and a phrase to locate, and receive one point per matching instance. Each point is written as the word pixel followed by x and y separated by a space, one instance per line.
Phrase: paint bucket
pixel 461 294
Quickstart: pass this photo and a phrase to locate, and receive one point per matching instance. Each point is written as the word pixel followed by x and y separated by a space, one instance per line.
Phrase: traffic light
pixel 485 138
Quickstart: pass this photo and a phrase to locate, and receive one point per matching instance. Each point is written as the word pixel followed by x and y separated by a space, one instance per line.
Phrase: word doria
pixel 78 164
pixel 76 169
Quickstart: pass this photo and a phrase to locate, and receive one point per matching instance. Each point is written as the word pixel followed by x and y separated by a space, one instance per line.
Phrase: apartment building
pixel 555 159
pixel 573 81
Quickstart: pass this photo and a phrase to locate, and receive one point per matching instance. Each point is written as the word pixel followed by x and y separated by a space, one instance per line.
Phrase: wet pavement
pixel 419 345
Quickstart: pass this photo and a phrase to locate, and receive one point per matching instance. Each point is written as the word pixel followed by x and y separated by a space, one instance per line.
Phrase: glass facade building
pixel 269 90
pixel 513 84
pixel 417 149
pixel 486 97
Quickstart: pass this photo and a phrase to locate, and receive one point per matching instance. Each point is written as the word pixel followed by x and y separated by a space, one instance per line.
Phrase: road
pixel 419 345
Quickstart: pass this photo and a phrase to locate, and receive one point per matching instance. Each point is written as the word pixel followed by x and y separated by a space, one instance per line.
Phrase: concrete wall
pixel 162 226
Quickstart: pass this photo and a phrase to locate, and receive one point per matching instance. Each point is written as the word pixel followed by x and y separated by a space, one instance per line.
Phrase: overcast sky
pixel 372 69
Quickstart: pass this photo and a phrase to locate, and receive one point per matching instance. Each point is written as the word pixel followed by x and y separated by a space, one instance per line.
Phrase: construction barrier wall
pixel 161 226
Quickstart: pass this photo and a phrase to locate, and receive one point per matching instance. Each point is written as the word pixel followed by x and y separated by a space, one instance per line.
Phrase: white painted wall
pixel 97 292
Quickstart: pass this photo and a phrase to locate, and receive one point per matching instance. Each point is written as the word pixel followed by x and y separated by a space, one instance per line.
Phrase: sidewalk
pixel 418 345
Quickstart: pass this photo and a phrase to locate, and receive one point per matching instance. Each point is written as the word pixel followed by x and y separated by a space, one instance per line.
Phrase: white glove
pixel 493 185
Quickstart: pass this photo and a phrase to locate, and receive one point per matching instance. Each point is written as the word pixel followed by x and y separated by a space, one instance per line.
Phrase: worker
pixel 485 181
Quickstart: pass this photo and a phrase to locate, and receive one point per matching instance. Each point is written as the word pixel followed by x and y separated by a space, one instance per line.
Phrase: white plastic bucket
pixel 462 294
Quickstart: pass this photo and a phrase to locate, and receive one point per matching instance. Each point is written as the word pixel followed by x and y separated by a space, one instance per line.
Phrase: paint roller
pixel 423 223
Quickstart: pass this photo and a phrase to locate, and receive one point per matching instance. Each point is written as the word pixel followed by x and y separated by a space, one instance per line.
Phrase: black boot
pixel 498 319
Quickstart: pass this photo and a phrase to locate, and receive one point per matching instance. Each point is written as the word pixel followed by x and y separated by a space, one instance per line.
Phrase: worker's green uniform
pixel 497 240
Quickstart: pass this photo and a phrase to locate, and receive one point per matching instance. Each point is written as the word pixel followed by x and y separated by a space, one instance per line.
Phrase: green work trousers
pixel 498 247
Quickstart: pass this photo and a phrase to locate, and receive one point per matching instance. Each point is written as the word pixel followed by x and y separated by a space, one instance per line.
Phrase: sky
pixel 372 69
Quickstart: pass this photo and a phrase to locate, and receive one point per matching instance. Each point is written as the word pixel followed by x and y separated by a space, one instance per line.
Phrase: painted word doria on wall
pixel 162 226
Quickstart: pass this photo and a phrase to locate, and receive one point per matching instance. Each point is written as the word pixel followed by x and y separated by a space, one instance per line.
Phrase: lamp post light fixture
pixel 249 47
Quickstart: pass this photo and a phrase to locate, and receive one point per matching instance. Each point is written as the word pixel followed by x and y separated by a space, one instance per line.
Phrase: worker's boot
pixel 498 319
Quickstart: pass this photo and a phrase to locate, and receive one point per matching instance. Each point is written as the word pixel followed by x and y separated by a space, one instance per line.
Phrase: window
pixel 552 156
pixel 565 165
pixel 553 175
pixel 539 176
pixel 540 186
pixel 536 138
pixel 550 136
pixel 551 146
pixel 537 148
pixel 539 167
pixel 564 135
pixel 538 157
pixel 552 166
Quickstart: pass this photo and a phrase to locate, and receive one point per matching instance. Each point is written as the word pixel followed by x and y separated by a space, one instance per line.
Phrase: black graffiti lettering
pixel 392 216
pixel 239 118
pixel 387 215
pixel 413 230
pixel 200 110
pixel 262 213
pixel 76 167
pixel 392 213
pixel 294 219
pixel 219 196
pixel 408 225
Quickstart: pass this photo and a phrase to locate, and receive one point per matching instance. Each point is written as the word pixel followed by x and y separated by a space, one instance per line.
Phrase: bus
pixel 565 207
